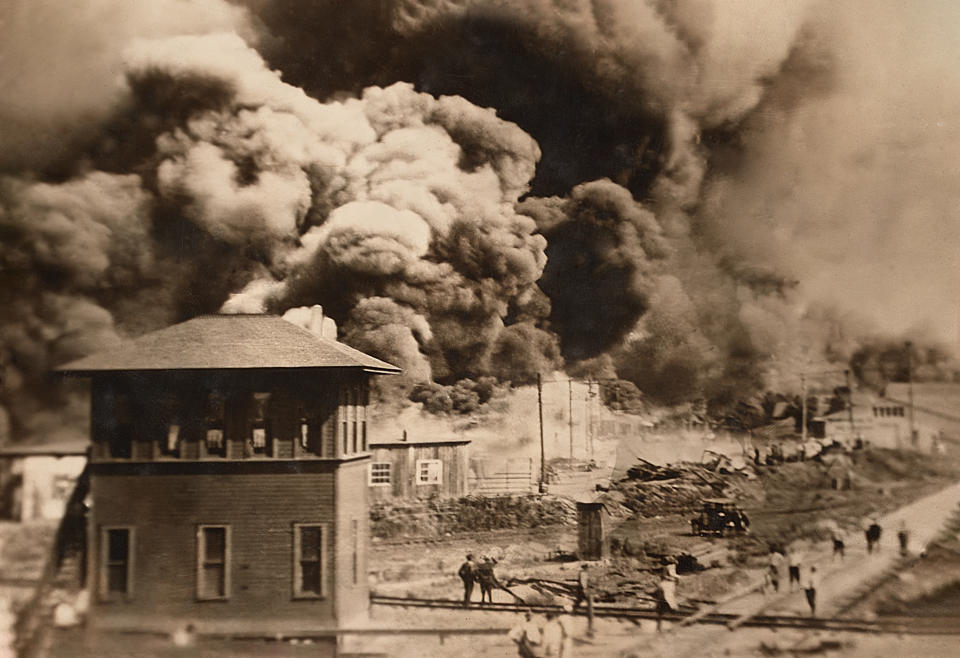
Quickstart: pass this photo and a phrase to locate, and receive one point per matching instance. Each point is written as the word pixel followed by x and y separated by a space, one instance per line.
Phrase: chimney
pixel 316 319
pixel 321 325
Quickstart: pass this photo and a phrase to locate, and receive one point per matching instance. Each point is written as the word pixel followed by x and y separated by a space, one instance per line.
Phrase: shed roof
pixel 425 441
pixel 229 342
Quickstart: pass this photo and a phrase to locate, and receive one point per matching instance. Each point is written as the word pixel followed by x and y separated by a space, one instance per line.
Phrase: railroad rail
pixel 906 625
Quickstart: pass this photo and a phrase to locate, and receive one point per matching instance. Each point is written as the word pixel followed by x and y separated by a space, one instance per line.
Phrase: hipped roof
pixel 229 342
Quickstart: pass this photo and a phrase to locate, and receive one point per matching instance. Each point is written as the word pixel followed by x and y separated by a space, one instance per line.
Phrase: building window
pixel 170 446
pixel 429 471
pixel 214 443
pixel 213 562
pixel 260 423
pixel 309 560
pixel 380 473
pixel 116 562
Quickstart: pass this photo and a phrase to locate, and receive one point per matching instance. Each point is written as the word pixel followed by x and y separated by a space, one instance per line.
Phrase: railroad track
pixel 906 625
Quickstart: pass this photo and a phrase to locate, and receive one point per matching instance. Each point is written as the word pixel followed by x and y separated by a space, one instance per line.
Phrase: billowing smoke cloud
pixel 686 194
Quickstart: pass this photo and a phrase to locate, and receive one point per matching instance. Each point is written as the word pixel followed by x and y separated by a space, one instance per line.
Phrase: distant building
pixel 884 419
pixel 228 478
pixel 418 468
pixel 36 480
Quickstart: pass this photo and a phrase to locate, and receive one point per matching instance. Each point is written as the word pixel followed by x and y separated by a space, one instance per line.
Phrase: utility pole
pixel 570 414
pixel 803 407
pixel 909 347
pixel 846 374
pixel 543 455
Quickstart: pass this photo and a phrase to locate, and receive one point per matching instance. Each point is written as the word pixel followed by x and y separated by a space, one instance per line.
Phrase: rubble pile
pixel 652 490
pixel 435 517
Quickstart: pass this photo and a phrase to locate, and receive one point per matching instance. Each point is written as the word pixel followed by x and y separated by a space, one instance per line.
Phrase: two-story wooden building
pixel 228 478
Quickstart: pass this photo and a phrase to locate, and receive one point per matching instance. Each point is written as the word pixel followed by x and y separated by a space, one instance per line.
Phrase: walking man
pixel 873 533
pixel 468 574
pixel 903 535
pixel 583 586
pixel 839 543
pixel 810 584
pixel 794 560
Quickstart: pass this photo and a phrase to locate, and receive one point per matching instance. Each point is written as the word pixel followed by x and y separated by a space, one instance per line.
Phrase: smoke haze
pixel 702 198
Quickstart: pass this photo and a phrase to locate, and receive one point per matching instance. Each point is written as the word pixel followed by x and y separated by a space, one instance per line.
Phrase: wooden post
pixel 846 375
pixel 909 348
pixel 570 419
pixel 589 615
pixel 803 408
pixel 543 455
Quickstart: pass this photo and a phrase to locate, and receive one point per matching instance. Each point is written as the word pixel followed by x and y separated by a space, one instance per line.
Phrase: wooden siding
pixel 403 470
pixel 353 599
pixel 260 501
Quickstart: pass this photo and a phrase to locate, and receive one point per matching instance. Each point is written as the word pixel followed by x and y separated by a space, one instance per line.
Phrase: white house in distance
pixel 36 480
pixel 884 419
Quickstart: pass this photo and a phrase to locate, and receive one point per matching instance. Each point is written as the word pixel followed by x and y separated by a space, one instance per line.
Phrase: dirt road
pixel 924 518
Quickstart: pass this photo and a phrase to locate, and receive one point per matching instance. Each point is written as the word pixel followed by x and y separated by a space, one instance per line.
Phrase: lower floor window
pixel 213 562
pixel 379 473
pixel 116 562
pixel 429 471
pixel 309 560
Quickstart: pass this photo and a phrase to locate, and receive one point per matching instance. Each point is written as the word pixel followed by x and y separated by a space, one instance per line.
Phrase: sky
pixel 701 198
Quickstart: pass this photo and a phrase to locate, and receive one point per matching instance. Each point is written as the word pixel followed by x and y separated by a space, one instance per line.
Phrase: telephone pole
pixel 543 455
pixel 846 374
pixel 803 407
pixel 909 347
pixel 570 414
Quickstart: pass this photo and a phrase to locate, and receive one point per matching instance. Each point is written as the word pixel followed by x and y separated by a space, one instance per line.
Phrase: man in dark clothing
pixel 487 579
pixel 873 535
pixel 468 574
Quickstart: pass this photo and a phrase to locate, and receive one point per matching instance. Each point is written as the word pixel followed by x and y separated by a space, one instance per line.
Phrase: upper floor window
pixel 213 419
pixel 260 423
pixel 353 417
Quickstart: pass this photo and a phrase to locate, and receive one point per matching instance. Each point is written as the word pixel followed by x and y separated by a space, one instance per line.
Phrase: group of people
pixel 473 572
pixel 552 636
pixel 808 579
pixel 873 531
pixel 799 578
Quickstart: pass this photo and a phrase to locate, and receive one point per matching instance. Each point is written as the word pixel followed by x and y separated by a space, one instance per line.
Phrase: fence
pixel 501 477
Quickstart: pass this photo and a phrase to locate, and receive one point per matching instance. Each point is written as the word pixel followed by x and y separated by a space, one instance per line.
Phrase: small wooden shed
pixel 418 468
pixel 592 527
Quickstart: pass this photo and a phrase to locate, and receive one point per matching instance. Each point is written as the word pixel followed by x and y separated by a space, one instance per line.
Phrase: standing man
pixel 810 584
pixel 666 596
pixel 583 586
pixel 794 560
pixel 468 574
pixel 775 572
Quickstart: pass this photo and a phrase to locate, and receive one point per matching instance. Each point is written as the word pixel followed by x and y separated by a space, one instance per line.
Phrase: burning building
pixel 228 478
